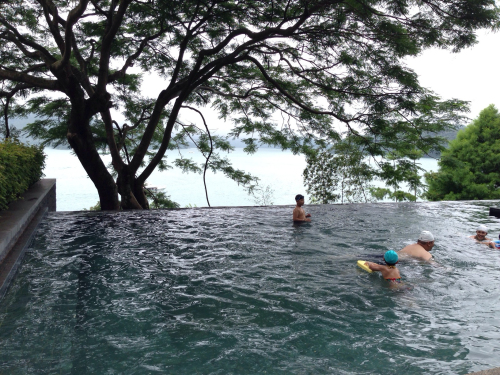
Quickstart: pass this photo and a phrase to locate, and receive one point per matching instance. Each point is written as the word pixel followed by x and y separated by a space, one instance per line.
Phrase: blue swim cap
pixel 391 257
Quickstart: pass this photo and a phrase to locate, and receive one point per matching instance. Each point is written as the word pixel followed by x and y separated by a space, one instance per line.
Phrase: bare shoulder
pixel 409 249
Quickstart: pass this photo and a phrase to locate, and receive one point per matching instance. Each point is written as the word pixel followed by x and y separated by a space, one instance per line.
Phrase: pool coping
pixel 493 371
pixel 18 224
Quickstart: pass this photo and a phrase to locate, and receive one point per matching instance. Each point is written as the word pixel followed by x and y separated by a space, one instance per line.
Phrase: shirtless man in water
pixel 421 249
pixel 298 212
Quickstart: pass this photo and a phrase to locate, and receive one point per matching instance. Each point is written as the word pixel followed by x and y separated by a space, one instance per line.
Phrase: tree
pixel 339 173
pixel 321 64
pixel 401 167
pixel 344 172
pixel 469 167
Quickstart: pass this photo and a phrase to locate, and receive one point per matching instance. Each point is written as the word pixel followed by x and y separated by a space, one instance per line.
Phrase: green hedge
pixel 20 167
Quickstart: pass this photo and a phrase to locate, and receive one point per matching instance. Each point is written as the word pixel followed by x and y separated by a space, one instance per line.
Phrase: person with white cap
pixel 421 249
pixel 481 233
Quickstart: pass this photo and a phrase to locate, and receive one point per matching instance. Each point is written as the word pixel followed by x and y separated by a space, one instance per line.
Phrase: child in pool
pixel 389 270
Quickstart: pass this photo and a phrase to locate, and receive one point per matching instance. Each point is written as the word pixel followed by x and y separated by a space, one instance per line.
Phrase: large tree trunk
pixel 80 138
pixel 125 184
pixel 138 190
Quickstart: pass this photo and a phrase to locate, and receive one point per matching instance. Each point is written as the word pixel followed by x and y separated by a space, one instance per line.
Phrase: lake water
pixel 243 291
pixel 281 171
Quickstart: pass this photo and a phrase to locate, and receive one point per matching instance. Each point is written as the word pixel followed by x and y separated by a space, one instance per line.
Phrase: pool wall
pixel 18 223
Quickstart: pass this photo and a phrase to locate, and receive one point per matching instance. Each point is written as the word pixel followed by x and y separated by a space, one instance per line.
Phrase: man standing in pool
pixel 298 212
pixel 421 249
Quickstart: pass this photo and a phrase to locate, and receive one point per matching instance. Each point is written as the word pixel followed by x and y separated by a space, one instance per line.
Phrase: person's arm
pixel 491 245
pixel 297 219
pixel 374 266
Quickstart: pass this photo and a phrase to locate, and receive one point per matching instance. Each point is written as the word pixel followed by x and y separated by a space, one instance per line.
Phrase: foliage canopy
pixel 469 168
pixel 293 74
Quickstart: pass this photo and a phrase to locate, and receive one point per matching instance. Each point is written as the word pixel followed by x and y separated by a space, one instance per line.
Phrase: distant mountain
pixel 449 135
pixel 19 124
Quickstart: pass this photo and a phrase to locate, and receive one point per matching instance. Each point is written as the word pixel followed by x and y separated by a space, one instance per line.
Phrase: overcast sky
pixel 472 74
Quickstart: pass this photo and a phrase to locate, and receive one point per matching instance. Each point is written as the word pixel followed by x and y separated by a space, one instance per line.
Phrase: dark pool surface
pixel 243 291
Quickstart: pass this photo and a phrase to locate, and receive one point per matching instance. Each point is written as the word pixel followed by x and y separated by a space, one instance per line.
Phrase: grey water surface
pixel 244 291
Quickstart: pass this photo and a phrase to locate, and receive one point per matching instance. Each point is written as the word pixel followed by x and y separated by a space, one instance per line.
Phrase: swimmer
pixel 481 233
pixel 298 212
pixel 421 249
pixel 389 270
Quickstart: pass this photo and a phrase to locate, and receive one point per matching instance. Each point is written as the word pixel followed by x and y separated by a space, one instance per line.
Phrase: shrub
pixel 20 167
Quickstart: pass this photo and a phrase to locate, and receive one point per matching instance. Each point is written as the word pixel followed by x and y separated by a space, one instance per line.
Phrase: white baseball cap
pixel 482 228
pixel 426 236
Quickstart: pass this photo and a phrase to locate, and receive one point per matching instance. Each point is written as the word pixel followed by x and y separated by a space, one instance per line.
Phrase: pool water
pixel 244 291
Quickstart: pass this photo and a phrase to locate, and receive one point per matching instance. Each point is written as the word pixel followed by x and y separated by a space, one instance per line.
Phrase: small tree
pixel 338 173
pixel 470 167
pixel 400 168
pixel 344 172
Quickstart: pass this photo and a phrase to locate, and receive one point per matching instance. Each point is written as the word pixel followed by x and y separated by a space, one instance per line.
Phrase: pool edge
pixel 12 262
pixel 18 224
pixel 493 371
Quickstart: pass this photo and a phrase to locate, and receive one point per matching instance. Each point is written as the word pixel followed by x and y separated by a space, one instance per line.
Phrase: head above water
pixel 391 257
pixel 482 228
pixel 298 197
pixel 426 236
pixel 426 240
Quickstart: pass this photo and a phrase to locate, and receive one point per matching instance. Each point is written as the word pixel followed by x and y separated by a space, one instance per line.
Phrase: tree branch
pixel 291 97
pixel 211 149
pixel 33 81
pixel 20 41
pixel 130 60
pixel 113 26
pixel 73 17
pixel 49 8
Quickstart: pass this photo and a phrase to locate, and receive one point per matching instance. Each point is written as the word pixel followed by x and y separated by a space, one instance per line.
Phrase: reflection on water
pixel 244 291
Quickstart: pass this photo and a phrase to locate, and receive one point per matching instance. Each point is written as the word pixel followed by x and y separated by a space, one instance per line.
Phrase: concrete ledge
pixel 12 261
pixel 493 371
pixel 20 213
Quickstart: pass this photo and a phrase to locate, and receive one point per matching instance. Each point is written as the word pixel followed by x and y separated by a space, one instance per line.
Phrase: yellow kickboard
pixel 362 264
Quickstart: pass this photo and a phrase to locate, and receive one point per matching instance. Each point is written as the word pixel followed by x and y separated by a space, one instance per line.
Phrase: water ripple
pixel 243 291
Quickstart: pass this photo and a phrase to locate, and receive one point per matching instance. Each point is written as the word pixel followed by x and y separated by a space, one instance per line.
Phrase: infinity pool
pixel 243 291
